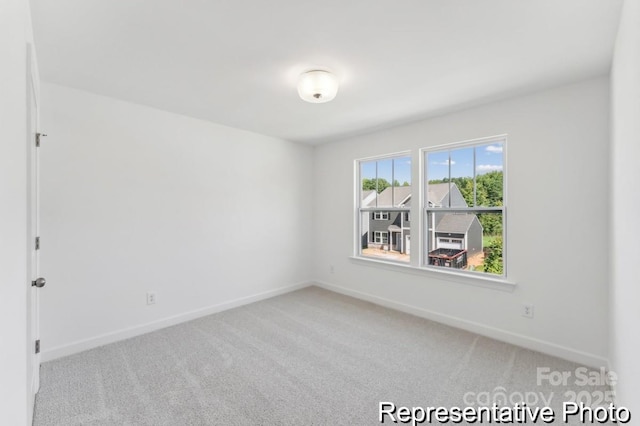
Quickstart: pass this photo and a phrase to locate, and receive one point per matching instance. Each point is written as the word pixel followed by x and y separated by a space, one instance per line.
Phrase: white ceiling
pixel 236 62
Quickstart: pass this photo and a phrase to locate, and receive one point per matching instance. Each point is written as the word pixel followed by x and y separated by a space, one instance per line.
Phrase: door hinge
pixel 38 136
pixel 38 346
pixel 37 243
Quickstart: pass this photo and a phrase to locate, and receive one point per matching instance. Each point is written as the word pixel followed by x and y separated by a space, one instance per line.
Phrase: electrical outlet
pixel 527 311
pixel 151 297
pixel 331 269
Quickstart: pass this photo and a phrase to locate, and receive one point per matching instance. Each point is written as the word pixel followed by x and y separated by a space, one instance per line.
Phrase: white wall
pixel 558 153
pixel 15 33
pixel 625 289
pixel 136 199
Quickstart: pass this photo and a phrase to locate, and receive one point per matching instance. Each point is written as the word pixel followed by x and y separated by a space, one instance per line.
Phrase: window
pixel 384 197
pixel 380 215
pixel 465 206
pixel 380 237
pixel 462 214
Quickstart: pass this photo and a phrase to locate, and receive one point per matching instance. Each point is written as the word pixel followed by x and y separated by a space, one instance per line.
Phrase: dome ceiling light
pixel 317 86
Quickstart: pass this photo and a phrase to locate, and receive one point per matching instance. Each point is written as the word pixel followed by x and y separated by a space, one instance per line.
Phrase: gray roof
pixel 455 223
pixel 367 195
pixel 437 192
pixel 401 196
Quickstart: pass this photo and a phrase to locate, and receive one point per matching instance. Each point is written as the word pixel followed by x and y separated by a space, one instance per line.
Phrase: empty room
pixel 319 213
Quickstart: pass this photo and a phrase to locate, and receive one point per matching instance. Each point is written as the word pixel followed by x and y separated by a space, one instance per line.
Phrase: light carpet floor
pixel 310 357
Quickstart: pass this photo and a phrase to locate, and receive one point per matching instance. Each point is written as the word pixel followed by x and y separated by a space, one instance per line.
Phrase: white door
pixel 33 376
pixel 450 243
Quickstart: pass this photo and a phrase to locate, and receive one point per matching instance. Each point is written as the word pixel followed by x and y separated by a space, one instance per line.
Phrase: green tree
pixel 493 260
pixel 491 223
pixel 380 184
pixel 488 188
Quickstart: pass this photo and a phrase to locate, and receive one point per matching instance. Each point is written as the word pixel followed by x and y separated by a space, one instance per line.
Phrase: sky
pixel 399 168
pixel 488 158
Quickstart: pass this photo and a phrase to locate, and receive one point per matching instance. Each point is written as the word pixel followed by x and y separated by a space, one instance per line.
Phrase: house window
pixel 380 237
pixel 465 202
pixel 384 197
pixel 380 215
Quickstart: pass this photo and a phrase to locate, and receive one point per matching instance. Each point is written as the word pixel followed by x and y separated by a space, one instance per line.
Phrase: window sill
pixel 456 277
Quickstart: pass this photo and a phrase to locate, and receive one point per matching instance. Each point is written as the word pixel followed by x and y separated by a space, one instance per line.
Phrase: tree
pixel 372 184
pixel 488 188
pixel 493 260
pixel 491 223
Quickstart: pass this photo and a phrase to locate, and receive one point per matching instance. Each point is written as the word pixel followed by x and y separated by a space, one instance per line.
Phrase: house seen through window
pixel 462 215
pixel 384 202
pixel 464 207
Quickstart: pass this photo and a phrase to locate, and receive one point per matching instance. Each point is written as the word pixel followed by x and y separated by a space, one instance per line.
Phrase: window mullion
pixel 449 178
pixel 393 189
pixel 475 165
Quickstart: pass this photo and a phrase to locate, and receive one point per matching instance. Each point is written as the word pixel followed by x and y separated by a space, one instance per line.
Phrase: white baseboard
pixel 115 336
pixel 545 347
pixel 35 377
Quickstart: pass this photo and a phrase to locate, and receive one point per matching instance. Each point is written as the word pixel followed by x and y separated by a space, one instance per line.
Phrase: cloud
pixel 494 149
pixel 486 168
pixel 443 163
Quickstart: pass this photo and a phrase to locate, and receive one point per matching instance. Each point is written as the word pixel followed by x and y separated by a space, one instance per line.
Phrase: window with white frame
pixel 464 206
pixel 380 215
pixel 380 237
pixel 384 196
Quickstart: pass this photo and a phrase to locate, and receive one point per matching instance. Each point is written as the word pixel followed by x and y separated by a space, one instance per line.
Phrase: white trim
pixel 543 346
pixel 35 379
pixel 115 336
pixel 390 156
pixel 466 143
pixel 33 255
pixel 478 279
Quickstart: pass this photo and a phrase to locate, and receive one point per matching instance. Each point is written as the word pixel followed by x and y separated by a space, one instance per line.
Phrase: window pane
pixel 437 164
pixel 385 178
pixel 466 241
pixel 367 184
pixel 461 194
pixel 489 175
pixel 492 242
pixel 385 235
pixel 402 181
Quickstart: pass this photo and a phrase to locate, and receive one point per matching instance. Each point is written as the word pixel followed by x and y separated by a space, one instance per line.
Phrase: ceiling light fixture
pixel 317 86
